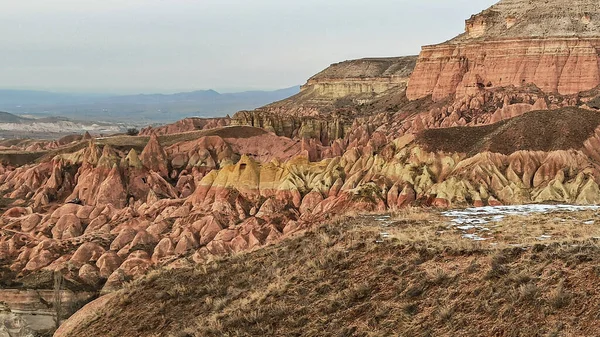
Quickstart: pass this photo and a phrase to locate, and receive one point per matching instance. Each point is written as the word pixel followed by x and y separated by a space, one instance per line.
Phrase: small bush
pixel 528 292
pixel 411 309
pixel 445 312
pixel 559 298
pixel 133 132
pixel 439 276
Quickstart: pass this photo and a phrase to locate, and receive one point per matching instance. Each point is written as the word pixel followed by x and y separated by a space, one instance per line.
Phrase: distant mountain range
pixel 6 117
pixel 141 109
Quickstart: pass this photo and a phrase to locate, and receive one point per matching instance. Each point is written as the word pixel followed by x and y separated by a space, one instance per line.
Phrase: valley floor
pixel 408 274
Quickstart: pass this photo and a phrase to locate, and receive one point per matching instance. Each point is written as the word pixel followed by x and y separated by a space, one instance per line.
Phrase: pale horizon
pixel 154 46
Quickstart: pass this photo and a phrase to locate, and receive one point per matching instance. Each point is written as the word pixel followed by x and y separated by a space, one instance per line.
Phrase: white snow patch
pixel 479 218
pixel 473 237
pixel 483 215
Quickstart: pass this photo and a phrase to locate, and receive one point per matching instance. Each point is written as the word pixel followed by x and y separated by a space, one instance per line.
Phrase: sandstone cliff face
pixel 330 101
pixel 553 45
pixel 359 77
pixel 562 65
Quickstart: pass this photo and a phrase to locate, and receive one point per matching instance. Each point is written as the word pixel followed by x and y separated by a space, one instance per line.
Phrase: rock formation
pixel 328 103
pixel 553 45
pixel 186 125
pixel 358 138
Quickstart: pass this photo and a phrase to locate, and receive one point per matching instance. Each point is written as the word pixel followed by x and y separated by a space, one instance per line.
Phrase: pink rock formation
pixel 154 157
pixel 515 43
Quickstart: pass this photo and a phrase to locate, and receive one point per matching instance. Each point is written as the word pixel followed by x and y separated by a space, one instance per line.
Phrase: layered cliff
pixel 332 100
pixel 365 77
pixel 553 45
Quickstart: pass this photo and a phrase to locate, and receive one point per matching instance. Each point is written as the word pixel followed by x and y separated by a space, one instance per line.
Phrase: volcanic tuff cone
pixel 154 157
pixel 553 44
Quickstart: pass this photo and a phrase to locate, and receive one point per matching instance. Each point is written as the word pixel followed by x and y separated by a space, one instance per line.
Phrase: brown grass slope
pixel 562 129
pixel 338 281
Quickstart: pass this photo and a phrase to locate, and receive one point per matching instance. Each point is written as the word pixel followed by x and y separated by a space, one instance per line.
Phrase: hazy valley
pixel 451 193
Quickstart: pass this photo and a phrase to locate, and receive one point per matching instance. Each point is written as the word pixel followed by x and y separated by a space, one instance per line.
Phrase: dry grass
pixel 548 228
pixel 430 227
pixel 561 129
pixel 342 279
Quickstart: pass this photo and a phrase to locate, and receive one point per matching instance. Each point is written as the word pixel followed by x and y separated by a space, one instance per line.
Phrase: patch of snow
pixel 473 237
pixel 483 215
pixel 477 218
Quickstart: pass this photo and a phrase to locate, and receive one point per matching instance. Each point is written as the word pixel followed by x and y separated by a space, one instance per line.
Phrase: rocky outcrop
pixel 330 101
pixel 553 46
pixel 510 19
pixel 186 125
pixel 154 157
pixel 12 325
pixel 22 311
pixel 321 129
pixel 369 77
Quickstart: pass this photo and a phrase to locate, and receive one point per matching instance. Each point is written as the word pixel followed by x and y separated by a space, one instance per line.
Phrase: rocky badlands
pixel 506 113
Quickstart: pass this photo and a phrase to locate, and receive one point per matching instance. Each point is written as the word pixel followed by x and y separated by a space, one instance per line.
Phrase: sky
pixel 151 46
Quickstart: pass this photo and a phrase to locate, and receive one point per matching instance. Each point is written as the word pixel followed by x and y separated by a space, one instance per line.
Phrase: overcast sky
pixel 131 46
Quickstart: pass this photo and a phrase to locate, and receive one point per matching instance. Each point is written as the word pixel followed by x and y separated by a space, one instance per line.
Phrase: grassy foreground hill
pixel 410 276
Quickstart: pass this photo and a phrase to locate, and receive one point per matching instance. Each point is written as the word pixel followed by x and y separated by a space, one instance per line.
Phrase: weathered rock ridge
pixel 330 101
pixel 510 19
pixel 223 195
pixel 369 77
pixel 185 125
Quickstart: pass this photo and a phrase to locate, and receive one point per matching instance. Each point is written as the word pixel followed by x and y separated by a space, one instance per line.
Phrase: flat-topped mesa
pixel 330 101
pixel 356 81
pixel 370 76
pixel 553 44
pixel 511 19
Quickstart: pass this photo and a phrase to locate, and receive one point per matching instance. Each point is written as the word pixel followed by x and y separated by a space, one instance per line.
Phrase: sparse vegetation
pixel 133 132
pixel 560 129
pixel 340 280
